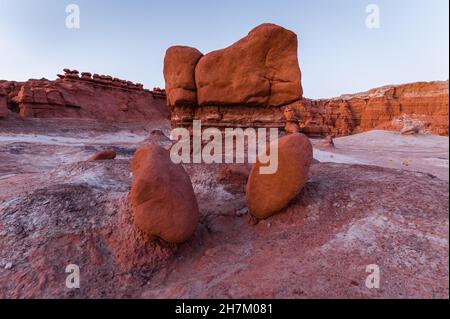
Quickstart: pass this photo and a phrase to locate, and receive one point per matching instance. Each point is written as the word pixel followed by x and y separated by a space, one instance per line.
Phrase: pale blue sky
pixel 337 52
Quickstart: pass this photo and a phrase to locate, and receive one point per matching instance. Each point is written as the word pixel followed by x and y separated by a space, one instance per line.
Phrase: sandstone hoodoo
pixel 162 198
pixel 268 194
pixel 244 85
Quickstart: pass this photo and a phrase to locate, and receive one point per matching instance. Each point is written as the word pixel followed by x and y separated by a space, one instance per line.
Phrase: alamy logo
pixel 73 279
pixel 226 147
pixel 373 280
pixel 373 17
pixel 73 16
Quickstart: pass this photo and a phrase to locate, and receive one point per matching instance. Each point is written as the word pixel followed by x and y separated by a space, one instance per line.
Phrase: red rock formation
pixel 243 85
pixel 256 82
pixel 389 107
pixel 97 97
pixel 259 70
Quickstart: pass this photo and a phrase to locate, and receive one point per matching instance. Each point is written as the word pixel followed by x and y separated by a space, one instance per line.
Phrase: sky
pixel 338 53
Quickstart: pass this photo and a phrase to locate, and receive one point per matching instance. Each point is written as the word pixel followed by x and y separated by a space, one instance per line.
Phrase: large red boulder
pixel 261 69
pixel 179 74
pixel 268 194
pixel 162 197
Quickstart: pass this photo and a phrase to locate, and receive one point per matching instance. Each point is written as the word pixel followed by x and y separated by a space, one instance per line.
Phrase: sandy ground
pixel 348 216
pixel 40 145
pixel 421 153
pixel 37 145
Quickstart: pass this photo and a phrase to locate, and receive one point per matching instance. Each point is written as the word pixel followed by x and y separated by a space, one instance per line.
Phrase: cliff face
pixel 421 104
pixel 424 104
pixel 70 96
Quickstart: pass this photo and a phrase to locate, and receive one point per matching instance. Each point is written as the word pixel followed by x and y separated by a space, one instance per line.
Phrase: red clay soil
pixel 348 217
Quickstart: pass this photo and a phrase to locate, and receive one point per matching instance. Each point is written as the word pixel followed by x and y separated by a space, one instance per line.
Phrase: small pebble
pixel 8 266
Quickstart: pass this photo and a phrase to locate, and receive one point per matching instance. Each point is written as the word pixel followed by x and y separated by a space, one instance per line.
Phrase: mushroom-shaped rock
pixel 179 74
pixel 268 194
pixel 104 155
pixel 162 198
pixel 261 70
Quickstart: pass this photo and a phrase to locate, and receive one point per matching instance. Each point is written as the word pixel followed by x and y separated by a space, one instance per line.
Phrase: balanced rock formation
pixel 267 194
pixel 162 197
pixel 97 97
pixel 104 155
pixel 244 85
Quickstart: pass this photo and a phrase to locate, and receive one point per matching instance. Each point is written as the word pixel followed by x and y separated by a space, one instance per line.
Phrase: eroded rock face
pixel 179 74
pixel 267 194
pixel 259 70
pixel 162 196
pixel 422 104
pixel 99 97
pixel 244 85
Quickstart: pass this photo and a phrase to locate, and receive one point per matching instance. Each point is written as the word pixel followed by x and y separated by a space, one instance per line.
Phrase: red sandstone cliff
pixel 424 104
pixel 99 97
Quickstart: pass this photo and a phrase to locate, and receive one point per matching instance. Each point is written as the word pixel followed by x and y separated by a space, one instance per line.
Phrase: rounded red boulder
pixel 268 194
pixel 162 198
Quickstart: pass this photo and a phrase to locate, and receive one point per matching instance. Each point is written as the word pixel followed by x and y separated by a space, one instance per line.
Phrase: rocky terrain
pixel 85 179
pixel 58 210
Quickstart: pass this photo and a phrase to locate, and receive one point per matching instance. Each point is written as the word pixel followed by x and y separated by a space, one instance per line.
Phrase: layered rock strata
pixel 81 96
pixel 256 82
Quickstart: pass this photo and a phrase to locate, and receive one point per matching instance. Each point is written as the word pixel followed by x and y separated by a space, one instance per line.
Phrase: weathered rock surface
pixel 259 70
pixel 162 197
pixel 268 194
pixel 99 97
pixel 424 104
pixel 348 217
pixel 179 74
pixel 256 82
pixel 244 85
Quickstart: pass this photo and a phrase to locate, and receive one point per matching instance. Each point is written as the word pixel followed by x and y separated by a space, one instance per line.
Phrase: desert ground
pixel 375 198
